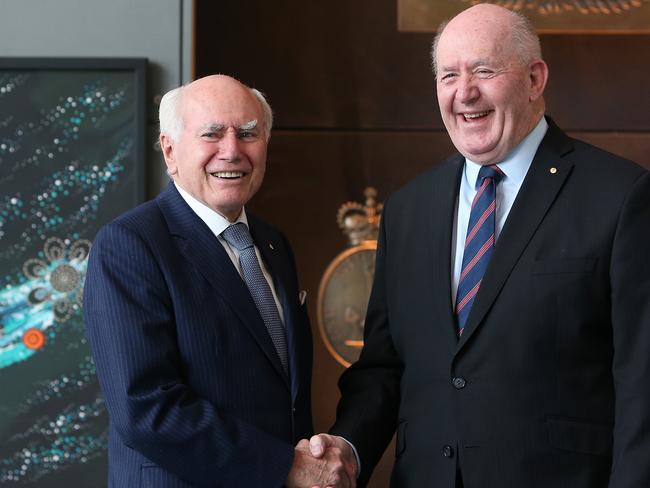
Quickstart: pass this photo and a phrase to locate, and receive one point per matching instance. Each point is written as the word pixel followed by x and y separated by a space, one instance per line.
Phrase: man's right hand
pixel 320 444
pixel 328 470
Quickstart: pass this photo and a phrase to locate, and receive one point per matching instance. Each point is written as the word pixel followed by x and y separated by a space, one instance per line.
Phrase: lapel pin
pixel 553 170
pixel 271 246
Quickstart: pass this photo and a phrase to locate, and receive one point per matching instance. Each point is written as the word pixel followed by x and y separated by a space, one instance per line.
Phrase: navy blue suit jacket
pixel 194 389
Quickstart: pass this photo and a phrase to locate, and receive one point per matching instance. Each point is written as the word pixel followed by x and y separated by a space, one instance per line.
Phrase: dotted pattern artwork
pixel 67 162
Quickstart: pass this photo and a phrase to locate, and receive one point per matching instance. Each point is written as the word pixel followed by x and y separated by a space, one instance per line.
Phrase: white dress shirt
pixel 217 224
pixel 514 166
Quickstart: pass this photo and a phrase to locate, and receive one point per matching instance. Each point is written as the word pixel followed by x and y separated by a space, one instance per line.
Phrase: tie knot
pixel 238 236
pixel 492 171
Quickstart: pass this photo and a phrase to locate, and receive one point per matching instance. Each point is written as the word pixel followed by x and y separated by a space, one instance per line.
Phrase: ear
pixel 167 145
pixel 538 72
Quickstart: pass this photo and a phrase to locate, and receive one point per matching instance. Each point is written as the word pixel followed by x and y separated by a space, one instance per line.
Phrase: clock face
pixel 343 300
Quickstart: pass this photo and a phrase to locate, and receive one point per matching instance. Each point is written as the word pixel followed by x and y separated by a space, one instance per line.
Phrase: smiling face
pixel 219 156
pixel 489 100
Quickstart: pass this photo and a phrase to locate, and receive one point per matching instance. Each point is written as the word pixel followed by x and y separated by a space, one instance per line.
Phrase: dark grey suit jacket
pixel 549 385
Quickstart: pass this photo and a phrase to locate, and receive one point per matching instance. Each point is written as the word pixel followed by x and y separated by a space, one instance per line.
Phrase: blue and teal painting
pixel 67 165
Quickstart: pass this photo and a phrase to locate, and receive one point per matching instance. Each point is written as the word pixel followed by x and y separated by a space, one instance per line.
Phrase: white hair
pixel 524 40
pixel 171 122
pixel 267 113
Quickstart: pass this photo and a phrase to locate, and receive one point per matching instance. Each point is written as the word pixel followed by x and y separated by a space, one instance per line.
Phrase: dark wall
pixel 355 105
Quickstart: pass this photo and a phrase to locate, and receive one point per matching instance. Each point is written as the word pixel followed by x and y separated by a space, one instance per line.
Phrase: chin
pixel 481 154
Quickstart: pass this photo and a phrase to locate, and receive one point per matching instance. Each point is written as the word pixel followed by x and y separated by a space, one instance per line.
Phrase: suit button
pixel 447 451
pixel 459 383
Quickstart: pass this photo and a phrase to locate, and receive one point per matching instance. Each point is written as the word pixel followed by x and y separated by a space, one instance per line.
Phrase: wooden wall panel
pixel 334 64
pixel 598 83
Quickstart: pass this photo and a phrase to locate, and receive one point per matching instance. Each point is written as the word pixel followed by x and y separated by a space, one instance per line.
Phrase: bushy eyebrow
pixel 481 62
pixel 251 124
pixel 473 65
pixel 213 128
pixel 217 127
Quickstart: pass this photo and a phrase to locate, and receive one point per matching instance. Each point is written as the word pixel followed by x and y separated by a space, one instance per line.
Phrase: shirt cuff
pixel 356 454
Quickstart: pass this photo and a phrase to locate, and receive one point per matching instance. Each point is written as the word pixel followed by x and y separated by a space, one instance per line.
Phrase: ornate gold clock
pixel 346 284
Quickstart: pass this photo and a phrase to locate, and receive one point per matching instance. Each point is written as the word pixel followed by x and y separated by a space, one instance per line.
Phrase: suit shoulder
pixel 605 165
pixel 145 219
pixel 590 161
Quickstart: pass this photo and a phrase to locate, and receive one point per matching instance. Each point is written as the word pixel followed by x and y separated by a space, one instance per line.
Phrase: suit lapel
pixel 202 248
pixel 440 207
pixel 279 267
pixel 536 195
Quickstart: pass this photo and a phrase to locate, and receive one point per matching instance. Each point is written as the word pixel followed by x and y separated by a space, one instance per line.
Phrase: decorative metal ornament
pixel 346 284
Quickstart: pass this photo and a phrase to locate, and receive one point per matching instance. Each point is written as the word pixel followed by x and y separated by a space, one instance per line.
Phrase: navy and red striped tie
pixel 479 242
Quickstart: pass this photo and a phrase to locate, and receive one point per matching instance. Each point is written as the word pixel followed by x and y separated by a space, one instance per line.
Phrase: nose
pixel 229 146
pixel 467 91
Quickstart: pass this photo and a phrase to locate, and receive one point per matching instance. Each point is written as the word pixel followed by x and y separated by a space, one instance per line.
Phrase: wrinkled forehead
pixel 230 107
pixel 474 42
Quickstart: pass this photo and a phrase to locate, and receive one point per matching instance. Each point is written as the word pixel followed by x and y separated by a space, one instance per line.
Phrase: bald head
pixel 493 23
pixel 206 89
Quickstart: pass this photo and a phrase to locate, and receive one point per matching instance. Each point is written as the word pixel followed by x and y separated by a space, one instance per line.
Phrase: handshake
pixel 324 461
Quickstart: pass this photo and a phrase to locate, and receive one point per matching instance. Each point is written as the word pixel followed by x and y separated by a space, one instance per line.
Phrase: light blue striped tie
pixel 478 243
pixel 238 236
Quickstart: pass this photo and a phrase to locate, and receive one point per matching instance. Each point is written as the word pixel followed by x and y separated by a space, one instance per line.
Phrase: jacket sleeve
pixel 367 412
pixel 129 316
pixel 630 295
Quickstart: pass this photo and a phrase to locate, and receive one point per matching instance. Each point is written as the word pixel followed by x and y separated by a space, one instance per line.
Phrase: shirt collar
pixel 516 164
pixel 214 220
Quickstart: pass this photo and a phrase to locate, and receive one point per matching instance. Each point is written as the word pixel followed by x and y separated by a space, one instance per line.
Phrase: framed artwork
pixel 549 17
pixel 72 157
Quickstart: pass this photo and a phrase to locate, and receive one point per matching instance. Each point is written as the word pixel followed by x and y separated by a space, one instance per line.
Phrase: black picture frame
pixel 72 158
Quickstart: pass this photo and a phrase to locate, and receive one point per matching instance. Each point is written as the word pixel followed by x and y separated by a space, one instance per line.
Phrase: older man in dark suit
pixel 507 339
pixel 202 345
